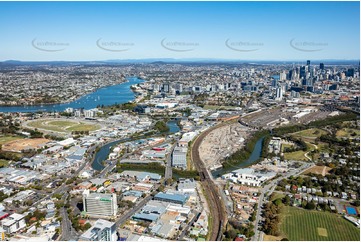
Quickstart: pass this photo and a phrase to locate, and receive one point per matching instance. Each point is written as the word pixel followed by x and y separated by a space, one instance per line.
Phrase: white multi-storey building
pixel 102 230
pixel 100 204
pixel 13 223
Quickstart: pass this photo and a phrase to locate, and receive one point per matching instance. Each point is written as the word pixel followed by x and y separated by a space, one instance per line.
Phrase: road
pixel 269 188
pixel 168 169
pixel 68 233
pixel 184 231
pixel 138 206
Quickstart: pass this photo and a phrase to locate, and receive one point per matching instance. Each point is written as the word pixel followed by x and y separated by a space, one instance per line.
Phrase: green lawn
pixel 63 125
pixel 347 133
pixel 83 127
pixel 4 163
pixel 276 195
pixel 285 146
pixel 5 139
pixel 297 155
pixel 309 135
pixel 40 124
pixel 299 224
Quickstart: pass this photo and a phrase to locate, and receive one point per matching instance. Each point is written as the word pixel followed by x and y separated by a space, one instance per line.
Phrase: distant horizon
pixel 135 60
pixel 273 31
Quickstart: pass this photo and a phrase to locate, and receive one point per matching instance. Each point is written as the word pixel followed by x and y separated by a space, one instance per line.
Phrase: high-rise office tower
pixel 322 66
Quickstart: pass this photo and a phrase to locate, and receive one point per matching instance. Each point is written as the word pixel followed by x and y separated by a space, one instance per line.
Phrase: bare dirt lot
pixel 320 170
pixel 24 144
pixel 222 142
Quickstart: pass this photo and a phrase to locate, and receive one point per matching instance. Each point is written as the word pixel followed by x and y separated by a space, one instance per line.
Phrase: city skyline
pixel 94 31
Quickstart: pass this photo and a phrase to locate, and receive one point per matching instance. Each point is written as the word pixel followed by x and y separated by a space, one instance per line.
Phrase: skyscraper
pixel 166 87
pixel 350 72
pixel 302 72
pixel 274 83
pixel 322 66
pixel 279 93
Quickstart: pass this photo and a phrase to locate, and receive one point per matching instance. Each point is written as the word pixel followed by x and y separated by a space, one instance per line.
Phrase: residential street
pixel 269 188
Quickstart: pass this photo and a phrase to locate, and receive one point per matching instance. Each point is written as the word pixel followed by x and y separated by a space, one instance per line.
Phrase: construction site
pixel 221 142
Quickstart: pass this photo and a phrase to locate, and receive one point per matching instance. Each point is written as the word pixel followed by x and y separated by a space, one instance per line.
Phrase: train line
pixel 217 208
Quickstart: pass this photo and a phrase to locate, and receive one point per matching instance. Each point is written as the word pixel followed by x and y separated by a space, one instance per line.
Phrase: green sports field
pixel 64 126
pixel 299 224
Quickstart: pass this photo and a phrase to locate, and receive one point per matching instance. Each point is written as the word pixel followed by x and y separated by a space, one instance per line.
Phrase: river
pixel 255 155
pixel 173 126
pixel 106 96
pixel 104 151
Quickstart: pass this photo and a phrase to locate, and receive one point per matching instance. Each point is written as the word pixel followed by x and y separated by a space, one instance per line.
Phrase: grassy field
pixel 299 224
pixel 64 126
pixel 347 133
pixel 4 163
pixel 276 195
pixel 309 135
pixel 321 170
pixel 297 155
pixel 6 139
pixel 286 146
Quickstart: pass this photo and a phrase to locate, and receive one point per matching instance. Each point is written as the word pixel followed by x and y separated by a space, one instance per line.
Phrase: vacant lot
pixel 24 144
pixel 321 170
pixel 6 139
pixel 63 126
pixel 299 224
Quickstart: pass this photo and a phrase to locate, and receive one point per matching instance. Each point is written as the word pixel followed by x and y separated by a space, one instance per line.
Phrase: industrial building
pixel 179 157
pixel 187 186
pixel 171 197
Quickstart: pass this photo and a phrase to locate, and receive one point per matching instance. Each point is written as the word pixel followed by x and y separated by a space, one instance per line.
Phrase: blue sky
pixel 254 30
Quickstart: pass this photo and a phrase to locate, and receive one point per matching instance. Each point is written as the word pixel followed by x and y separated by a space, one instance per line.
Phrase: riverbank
pixel 103 150
pixel 109 95
pixel 74 98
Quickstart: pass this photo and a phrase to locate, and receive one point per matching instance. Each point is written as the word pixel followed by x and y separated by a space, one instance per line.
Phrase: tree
pixel 161 188
pixel 231 233
pixel 356 203
pixel 277 202
pixel 310 205
pixel 161 126
pixel 286 200
pixel 87 226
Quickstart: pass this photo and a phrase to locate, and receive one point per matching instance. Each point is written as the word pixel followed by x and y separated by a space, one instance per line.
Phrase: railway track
pixel 217 209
